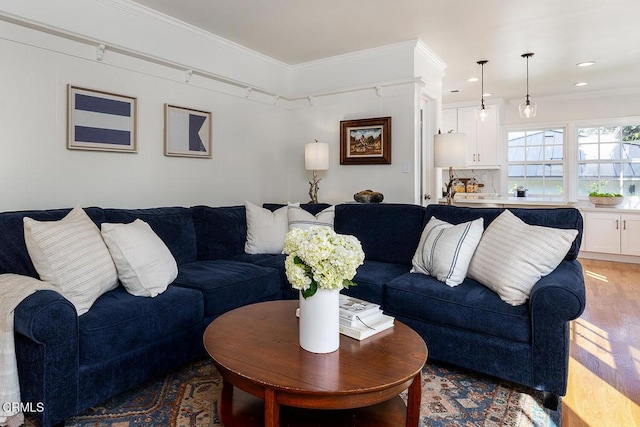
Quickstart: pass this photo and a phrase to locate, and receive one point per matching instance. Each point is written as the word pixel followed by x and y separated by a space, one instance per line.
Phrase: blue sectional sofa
pixel 71 362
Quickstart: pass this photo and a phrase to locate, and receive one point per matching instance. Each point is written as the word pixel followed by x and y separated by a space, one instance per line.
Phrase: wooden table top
pixel 259 343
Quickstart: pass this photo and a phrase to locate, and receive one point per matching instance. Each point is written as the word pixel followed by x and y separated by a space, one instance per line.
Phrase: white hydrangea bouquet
pixel 319 258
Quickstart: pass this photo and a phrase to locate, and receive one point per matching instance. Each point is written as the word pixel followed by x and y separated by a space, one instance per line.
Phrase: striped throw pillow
pixel 513 255
pixel 299 218
pixel 445 250
pixel 71 255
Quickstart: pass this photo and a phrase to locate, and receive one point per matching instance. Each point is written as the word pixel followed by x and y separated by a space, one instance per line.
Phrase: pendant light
pixel 481 112
pixel 527 108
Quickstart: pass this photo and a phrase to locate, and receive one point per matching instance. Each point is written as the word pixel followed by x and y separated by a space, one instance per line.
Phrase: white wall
pixel 321 121
pixel 37 171
pixel 263 111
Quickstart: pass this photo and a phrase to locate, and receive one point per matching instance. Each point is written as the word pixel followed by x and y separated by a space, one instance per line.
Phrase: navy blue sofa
pixel 70 363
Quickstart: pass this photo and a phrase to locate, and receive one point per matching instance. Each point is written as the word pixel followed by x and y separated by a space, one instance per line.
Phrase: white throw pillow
pixel 513 255
pixel 299 218
pixel 445 250
pixel 265 229
pixel 71 254
pixel 144 263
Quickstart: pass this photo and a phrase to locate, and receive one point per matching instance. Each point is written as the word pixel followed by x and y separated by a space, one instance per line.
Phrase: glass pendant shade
pixel 482 113
pixel 528 109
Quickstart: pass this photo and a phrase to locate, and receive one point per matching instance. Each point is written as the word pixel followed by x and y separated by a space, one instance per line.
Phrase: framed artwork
pixel 187 132
pixel 100 121
pixel 365 141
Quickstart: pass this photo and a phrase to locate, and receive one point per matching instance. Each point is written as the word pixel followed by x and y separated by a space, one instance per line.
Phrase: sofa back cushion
pixel 565 218
pixel 173 225
pixel 312 208
pixel 221 231
pixel 14 257
pixel 388 232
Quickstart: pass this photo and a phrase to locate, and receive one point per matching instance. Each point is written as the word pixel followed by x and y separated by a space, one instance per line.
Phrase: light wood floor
pixel 604 368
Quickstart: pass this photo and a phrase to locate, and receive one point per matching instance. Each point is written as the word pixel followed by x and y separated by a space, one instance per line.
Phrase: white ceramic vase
pixel 319 330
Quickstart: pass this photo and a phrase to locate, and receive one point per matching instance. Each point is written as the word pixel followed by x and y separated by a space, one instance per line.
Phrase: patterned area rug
pixel 450 398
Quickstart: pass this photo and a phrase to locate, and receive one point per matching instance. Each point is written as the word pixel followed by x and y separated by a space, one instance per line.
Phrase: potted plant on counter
pixel 604 199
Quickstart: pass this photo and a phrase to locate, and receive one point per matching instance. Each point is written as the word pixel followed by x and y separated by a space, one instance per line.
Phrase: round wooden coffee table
pixel 255 348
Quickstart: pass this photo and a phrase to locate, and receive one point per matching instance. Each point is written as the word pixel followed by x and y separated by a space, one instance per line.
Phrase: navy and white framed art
pixel 187 132
pixel 101 121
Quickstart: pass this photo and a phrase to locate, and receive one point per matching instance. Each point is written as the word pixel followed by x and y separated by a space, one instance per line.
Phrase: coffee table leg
pixel 226 401
pixel 271 409
pixel 413 401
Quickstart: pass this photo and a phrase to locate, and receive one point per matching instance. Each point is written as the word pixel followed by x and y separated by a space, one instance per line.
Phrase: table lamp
pixel 449 151
pixel 316 158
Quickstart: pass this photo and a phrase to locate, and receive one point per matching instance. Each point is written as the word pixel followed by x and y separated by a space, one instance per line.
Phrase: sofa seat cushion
pixel 469 306
pixel 276 262
pixel 228 284
pixel 371 278
pixel 119 322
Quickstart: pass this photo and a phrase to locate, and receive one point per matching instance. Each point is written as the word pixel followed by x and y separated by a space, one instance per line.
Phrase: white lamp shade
pixel 449 150
pixel 316 156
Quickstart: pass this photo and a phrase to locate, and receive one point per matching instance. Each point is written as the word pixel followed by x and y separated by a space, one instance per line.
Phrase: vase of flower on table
pixel 319 264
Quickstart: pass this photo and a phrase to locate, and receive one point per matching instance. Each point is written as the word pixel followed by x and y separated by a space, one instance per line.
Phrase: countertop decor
pixel 606 201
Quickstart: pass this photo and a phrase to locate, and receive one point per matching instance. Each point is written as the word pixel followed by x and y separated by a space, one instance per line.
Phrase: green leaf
pixel 313 288
pixel 347 283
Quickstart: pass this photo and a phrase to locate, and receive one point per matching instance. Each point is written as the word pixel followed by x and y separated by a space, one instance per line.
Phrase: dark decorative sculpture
pixel 368 196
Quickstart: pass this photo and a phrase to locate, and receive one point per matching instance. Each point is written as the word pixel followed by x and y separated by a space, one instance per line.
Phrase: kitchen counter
pixel 630 204
pixel 491 200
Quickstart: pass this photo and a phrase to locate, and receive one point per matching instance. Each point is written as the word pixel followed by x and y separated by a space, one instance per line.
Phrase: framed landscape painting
pixel 187 132
pixel 365 141
pixel 100 121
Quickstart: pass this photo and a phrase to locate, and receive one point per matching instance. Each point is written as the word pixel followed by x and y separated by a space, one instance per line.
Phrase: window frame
pixel 606 123
pixel 541 127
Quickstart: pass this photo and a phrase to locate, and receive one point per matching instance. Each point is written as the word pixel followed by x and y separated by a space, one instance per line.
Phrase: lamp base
pixel 451 192
pixel 313 189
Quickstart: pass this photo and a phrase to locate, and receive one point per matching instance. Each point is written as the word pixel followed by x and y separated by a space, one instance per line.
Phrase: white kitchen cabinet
pixel 482 137
pixel 630 234
pixel 612 233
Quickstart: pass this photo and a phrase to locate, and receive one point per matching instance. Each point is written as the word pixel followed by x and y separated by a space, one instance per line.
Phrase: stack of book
pixel 361 319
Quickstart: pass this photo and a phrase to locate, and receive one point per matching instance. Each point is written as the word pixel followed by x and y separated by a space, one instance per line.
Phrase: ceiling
pixel 561 33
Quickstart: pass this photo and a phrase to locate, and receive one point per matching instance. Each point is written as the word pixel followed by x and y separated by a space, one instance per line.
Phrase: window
pixel 535 160
pixel 609 160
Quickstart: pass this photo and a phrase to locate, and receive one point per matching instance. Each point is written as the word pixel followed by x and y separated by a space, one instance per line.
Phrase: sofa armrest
pixel 554 301
pixel 46 326
pixel 560 294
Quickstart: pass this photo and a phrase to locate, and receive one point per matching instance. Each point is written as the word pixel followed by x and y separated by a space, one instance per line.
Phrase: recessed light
pixel 585 63
pixel 473 79
pixel 578 84
pixel 486 94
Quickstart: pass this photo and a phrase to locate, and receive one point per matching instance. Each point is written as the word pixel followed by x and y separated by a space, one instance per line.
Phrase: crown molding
pixel 171 24
pixel 430 55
